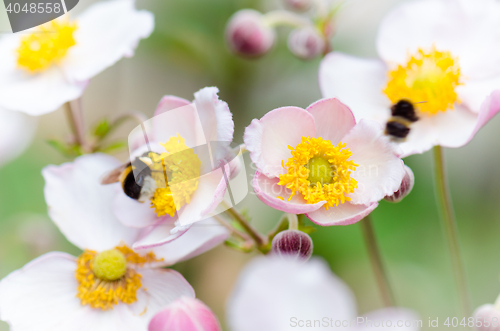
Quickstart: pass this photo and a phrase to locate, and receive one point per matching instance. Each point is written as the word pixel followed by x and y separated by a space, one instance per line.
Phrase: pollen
pixel 430 78
pixel 319 171
pixel 178 177
pixel 107 278
pixel 47 46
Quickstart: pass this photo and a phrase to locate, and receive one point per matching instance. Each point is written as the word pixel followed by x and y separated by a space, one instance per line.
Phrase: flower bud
pixel 405 187
pixel 487 318
pixel 185 314
pixel 293 243
pixel 248 35
pixel 298 5
pixel 306 43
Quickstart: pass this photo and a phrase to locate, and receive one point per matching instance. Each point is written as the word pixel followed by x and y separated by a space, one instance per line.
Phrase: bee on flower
pixel 53 63
pixel 440 57
pixel 319 162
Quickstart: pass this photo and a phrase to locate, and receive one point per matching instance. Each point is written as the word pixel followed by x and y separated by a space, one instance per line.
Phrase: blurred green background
pixel 187 52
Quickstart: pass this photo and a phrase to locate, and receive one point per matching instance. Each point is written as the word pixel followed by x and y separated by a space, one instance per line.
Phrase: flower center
pixel 430 78
pixel 39 50
pixel 177 176
pixel 320 171
pixel 109 277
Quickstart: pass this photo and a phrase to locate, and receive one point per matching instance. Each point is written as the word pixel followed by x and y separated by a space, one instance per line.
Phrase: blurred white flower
pixel 51 65
pixel 16 133
pixel 487 317
pixel 441 55
pixel 283 294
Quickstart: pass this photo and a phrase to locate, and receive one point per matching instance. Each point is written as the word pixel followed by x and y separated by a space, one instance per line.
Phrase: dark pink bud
pixel 306 43
pixel 487 318
pixel 293 243
pixel 299 5
pixel 405 188
pixel 248 35
pixel 185 314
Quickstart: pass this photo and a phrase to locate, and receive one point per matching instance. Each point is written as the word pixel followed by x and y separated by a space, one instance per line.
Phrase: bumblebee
pixel 135 177
pixel 403 115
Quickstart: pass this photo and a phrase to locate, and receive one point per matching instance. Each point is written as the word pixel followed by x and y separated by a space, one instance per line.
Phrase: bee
pixel 135 177
pixel 403 115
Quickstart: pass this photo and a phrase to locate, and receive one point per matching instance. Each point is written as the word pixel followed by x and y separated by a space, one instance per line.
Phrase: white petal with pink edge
pixel 81 207
pixel 133 213
pixel 307 291
pixel 269 138
pixel 380 170
pixel 356 82
pixel 101 42
pixel 333 119
pixel 16 133
pixel 268 191
pixel 343 214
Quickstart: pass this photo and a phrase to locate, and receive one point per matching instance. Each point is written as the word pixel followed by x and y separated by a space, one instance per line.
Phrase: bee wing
pixel 113 176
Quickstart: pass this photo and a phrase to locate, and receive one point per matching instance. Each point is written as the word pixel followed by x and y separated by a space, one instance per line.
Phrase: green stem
pixel 260 241
pixel 450 226
pixel 376 262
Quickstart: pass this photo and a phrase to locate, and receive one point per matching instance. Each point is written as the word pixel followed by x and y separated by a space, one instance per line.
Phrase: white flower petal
pixel 343 214
pixel 470 31
pixel 269 138
pixel 216 119
pixel 160 287
pixel 272 291
pixel 380 170
pixel 33 94
pixel 44 290
pixel 356 82
pixel 16 133
pixel 133 213
pixel 473 93
pixel 188 243
pixel 81 207
pixel 101 41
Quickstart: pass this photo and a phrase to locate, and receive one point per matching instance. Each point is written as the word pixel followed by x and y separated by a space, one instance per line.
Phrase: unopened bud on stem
pixel 293 243
pixel 306 43
pixel 405 188
pixel 248 35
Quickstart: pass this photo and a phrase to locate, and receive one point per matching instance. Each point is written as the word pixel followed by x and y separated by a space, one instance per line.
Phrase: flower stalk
pixel 260 241
pixel 74 114
pixel 450 226
pixel 376 262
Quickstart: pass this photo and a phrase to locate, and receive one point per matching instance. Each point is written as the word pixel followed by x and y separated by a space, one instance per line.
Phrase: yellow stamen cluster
pixel 43 48
pixel 430 78
pixel 114 278
pixel 178 178
pixel 320 171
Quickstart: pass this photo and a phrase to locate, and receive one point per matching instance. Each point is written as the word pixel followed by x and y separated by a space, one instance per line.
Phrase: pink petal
pixel 269 138
pixel 333 119
pixel 273 290
pixel 343 214
pixel 170 102
pixel 81 207
pixel 487 315
pixel 185 314
pixel 267 190
pixel 473 93
pixel 380 171
pixel 489 108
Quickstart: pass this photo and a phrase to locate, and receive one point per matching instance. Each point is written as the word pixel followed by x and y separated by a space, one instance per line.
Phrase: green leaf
pixel 102 129
pixel 114 147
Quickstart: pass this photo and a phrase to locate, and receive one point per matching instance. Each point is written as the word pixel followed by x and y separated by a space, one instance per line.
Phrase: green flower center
pixel 320 171
pixel 109 265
